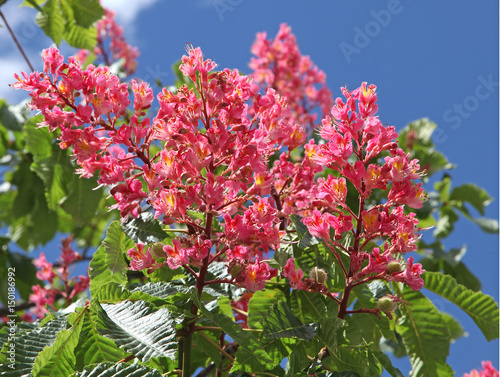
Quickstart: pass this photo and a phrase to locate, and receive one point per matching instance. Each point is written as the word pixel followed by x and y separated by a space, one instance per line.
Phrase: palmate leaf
pixel 138 329
pixel 280 322
pixel 425 334
pixel 94 348
pixel 480 307
pixel 118 370
pixel 28 346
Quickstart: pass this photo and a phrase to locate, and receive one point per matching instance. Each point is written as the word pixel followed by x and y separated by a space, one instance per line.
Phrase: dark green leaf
pixel 250 356
pixel 306 239
pixel 83 199
pixel 25 273
pixel 145 229
pixel 30 343
pixel 280 322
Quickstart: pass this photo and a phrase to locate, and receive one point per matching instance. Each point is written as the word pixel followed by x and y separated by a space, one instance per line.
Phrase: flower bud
pixel 394 267
pixel 157 250
pixel 318 275
pixel 386 304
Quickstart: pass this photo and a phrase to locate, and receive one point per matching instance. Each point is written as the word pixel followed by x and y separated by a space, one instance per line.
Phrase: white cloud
pixel 127 11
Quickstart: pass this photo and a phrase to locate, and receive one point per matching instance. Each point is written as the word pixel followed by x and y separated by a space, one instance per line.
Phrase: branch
pixel 16 41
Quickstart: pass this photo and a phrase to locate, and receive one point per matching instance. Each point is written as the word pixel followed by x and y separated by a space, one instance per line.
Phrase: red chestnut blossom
pixel 212 175
pixel 294 276
pixel 488 371
pixel 278 64
pixel 140 259
pixel 62 287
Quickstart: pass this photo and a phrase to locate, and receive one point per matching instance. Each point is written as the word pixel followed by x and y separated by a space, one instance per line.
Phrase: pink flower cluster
pixel 355 141
pixel 110 35
pixel 212 173
pixel 278 64
pixel 60 285
pixel 488 371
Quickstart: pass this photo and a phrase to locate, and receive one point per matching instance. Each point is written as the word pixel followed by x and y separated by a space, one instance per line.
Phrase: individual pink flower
pixel 176 255
pixel 140 260
pixel 40 297
pixel 411 275
pixel 46 271
pixel 256 275
pixel 294 276
pixel 143 95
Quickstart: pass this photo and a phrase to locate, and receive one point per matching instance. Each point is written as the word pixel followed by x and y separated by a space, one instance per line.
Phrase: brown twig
pixel 16 41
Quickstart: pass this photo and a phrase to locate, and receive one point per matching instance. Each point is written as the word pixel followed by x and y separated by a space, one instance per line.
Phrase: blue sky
pixel 435 59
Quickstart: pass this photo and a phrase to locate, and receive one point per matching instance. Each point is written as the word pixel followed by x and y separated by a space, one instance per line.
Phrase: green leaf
pixel 280 322
pixel 251 356
pixel 443 187
pixel 51 20
pixel 94 348
pixel 306 239
pixel 55 171
pixel 297 360
pixel 472 194
pixel 424 332
pixel 145 229
pixel 118 370
pixel 329 332
pixel 487 225
pixel 386 363
pixel 13 117
pixel 83 199
pixel 108 263
pixel 59 359
pixel 29 344
pixel 259 306
pixel 4 140
pixel 361 361
pixel 38 140
pixel 445 224
pixel 480 307
pixel 86 12
pixel 80 37
pixel 145 333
